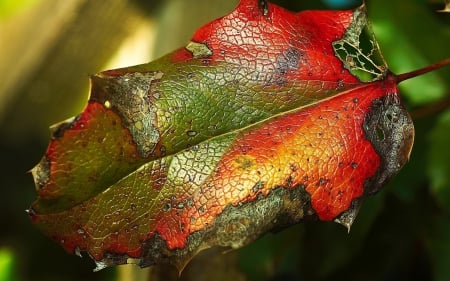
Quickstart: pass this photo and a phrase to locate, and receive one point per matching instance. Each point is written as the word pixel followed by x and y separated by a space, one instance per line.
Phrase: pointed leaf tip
pixel 347 217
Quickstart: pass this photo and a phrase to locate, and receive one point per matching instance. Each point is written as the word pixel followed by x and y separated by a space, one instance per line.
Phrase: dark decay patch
pixel 129 96
pixel 57 131
pixel 234 227
pixel 285 62
pixel 347 217
pixel 258 186
pixel 290 59
pixel 390 130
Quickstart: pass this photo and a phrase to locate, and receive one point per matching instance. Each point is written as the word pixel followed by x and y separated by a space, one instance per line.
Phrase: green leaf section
pixel 211 101
pixel 133 204
pixel 87 154
pixel 141 113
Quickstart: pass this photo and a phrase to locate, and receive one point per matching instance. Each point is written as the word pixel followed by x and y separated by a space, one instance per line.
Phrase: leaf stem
pixel 405 76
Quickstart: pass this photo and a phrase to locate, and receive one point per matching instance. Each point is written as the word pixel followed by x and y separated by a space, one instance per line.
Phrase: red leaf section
pixel 296 46
pixel 322 148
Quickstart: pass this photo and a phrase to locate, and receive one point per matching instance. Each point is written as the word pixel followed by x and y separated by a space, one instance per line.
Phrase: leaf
pixel 265 118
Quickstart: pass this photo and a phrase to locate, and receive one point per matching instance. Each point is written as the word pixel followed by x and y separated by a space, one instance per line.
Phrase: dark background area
pixel 402 233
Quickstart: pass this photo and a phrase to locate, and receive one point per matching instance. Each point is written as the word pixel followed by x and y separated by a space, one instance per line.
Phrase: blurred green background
pixel 48 48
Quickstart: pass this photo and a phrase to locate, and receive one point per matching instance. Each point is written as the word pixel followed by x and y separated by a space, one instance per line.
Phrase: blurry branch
pixel 431 109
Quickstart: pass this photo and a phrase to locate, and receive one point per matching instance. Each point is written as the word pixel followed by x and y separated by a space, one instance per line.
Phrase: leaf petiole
pixel 405 76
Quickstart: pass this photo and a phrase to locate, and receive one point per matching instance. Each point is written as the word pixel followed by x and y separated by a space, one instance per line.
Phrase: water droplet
pixel 355 100
pixel 133 206
pixel 322 181
pixel 80 231
pixel 107 104
pixel 167 207
pixel 78 252
pixel 31 212
pixel 191 133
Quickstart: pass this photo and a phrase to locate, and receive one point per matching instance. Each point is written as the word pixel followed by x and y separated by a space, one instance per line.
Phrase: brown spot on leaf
pixel 389 128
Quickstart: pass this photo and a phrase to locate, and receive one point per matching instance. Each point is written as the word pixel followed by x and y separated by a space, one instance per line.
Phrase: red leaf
pixel 262 120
